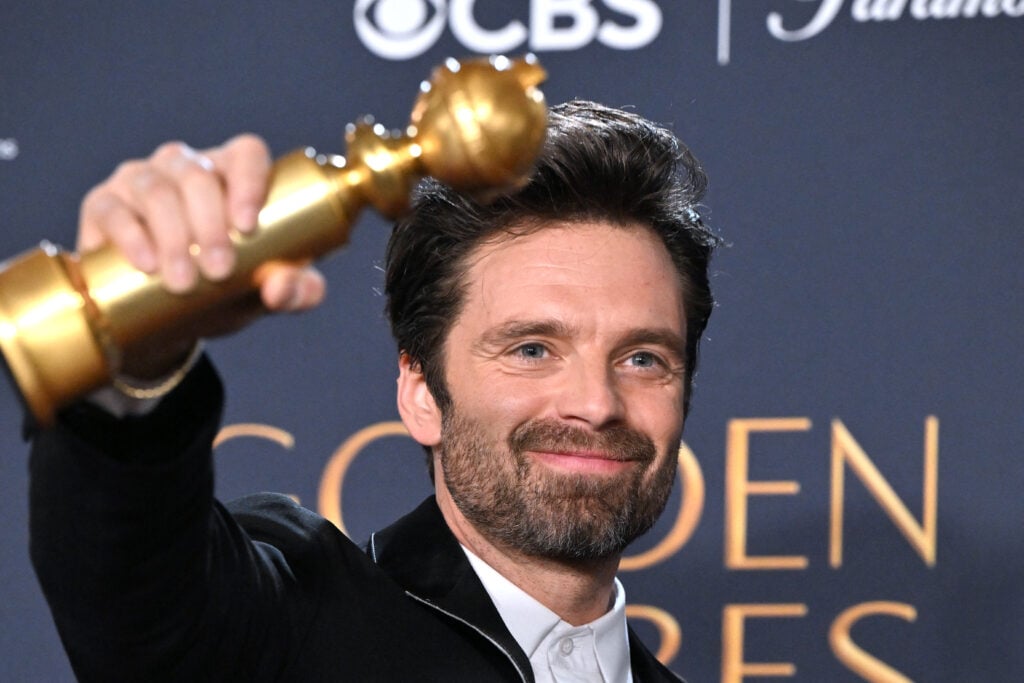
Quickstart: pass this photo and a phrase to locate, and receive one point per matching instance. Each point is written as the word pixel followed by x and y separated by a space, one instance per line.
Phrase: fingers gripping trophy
pixel 68 320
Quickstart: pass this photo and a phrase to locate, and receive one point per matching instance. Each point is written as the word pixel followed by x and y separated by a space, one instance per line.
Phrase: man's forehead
pixel 573 265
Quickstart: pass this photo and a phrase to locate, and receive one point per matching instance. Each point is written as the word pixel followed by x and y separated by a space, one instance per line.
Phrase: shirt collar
pixel 530 622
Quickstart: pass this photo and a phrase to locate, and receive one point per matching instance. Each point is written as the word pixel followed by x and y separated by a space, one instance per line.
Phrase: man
pixel 547 343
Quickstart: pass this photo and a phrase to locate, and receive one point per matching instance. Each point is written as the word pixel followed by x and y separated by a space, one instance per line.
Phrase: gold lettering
pixel 329 497
pixel 259 431
pixel 690 509
pixel 852 656
pixel 738 488
pixel 669 633
pixel 922 537
pixel 734 669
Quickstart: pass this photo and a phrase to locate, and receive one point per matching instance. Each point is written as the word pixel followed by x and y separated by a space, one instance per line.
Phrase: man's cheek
pixel 515 401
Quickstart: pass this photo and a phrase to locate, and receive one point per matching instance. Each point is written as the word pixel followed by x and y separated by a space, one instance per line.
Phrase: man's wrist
pixel 131 396
pixel 146 389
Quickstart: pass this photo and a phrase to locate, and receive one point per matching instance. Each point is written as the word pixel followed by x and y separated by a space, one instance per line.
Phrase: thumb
pixel 290 289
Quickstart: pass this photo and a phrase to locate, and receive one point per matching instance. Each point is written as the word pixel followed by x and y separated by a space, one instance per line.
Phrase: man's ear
pixel 416 404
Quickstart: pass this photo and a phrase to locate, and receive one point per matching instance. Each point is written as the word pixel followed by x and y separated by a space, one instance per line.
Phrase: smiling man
pixel 547 344
pixel 559 441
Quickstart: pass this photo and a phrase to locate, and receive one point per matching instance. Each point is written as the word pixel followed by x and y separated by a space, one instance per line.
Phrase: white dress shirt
pixel 597 652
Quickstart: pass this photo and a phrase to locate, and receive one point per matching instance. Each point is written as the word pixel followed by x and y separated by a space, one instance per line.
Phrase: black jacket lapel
pixel 422 555
pixel 646 668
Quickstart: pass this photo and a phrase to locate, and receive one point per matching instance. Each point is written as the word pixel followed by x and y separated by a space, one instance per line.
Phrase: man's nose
pixel 591 394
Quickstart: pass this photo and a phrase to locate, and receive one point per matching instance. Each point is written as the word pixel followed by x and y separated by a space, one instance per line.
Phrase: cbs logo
pixel 403 29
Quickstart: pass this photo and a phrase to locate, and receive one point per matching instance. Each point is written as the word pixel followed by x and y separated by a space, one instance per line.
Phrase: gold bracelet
pixel 164 387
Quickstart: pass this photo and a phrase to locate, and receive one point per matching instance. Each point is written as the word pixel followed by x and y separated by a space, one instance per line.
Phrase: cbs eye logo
pixel 399 29
pixel 403 29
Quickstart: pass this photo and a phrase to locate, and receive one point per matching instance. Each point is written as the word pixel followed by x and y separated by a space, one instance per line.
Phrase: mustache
pixel 617 443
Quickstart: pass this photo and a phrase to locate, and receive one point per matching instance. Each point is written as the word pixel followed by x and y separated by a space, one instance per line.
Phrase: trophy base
pixel 49 340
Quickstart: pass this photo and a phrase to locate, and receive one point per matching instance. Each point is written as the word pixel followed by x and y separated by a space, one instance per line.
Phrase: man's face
pixel 566 374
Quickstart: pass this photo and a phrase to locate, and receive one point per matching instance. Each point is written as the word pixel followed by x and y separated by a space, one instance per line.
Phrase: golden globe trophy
pixel 66 319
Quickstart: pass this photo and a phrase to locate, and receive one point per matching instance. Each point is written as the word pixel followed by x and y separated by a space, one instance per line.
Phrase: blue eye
pixel 531 351
pixel 645 359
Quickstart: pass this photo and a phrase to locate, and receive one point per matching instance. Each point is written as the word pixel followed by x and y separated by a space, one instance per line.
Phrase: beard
pixel 519 503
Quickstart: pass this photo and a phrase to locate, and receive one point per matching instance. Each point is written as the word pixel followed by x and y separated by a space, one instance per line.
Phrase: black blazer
pixel 150 579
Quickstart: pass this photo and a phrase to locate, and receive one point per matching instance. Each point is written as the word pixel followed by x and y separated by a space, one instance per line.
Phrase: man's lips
pixel 582 461
pixel 570 449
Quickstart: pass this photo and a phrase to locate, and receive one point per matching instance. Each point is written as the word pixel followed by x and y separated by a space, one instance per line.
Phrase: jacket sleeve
pixel 147 576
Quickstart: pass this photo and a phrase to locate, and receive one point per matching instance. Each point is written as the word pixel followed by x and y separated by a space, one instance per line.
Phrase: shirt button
pixel 566 646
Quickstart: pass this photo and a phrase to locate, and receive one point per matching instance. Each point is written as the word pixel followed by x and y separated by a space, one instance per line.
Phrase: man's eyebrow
pixel 518 329
pixel 661 336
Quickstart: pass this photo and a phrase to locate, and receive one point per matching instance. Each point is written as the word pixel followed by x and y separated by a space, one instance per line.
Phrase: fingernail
pixel 295 298
pixel 179 275
pixel 246 218
pixel 217 262
pixel 144 260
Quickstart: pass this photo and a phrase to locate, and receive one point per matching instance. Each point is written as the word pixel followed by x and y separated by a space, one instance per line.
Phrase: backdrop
pixel 853 491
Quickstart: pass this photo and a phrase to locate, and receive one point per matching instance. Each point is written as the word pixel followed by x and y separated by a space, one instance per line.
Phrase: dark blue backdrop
pixel 868 177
